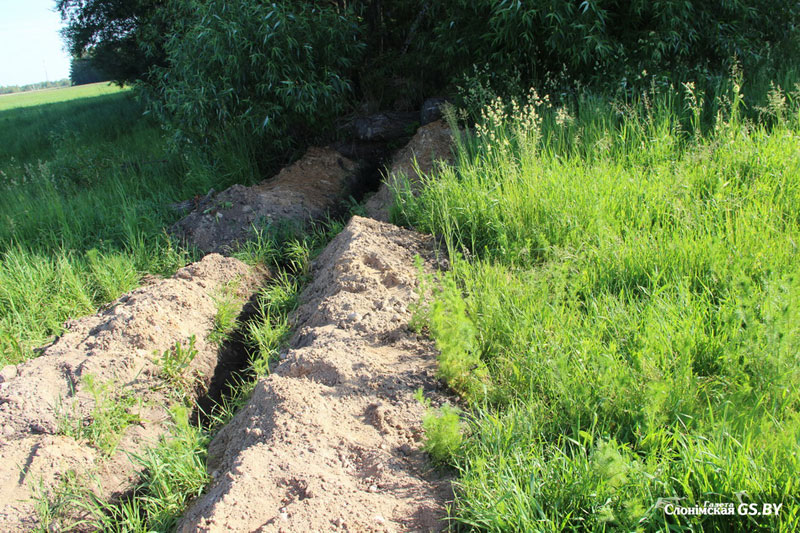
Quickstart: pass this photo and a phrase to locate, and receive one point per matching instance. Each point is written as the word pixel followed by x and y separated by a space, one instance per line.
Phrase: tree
pixel 125 38
pixel 257 69
pixel 82 70
pixel 608 42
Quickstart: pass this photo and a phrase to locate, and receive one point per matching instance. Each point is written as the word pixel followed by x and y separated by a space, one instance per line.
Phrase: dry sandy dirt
pixel 332 438
pixel 430 145
pixel 308 189
pixel 119 347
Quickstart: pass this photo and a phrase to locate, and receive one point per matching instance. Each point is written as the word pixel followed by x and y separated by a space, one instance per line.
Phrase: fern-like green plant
pixel 443 434
pixel 459 361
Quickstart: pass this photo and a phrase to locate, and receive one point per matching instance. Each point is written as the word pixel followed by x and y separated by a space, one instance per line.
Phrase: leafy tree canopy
pixel 83 71
pixel 273 70
pixel 124 37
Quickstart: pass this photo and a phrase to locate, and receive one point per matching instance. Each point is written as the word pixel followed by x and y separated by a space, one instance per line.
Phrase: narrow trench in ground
pixel 372 157
pixel 234 356
pixel 231 368
pixel 232 362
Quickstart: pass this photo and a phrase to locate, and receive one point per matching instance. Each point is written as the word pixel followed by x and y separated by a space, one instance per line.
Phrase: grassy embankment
pixel 622 316
pixel 85 188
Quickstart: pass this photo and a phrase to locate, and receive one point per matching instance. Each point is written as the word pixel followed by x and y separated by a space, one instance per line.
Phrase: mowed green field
pixel 50 96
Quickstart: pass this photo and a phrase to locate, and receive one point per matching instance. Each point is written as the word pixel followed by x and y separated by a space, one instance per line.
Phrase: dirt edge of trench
pixel 332 438
pixel 115 357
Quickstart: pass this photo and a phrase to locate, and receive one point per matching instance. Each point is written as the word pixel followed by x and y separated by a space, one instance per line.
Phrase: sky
pixel 31 49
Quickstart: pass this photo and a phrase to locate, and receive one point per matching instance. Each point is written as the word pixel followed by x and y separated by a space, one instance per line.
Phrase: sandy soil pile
pixel 119 347
pixel 331 439
pixel 303 191
pixel 432 143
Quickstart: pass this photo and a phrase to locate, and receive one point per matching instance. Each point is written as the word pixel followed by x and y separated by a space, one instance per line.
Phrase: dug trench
pixel 332 438
pixel 372 157
pixel 103 390
pixel 231 368
pixel 321 185
pixel 336 424
pixel 430 144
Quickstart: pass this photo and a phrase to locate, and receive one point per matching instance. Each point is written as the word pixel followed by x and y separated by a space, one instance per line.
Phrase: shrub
pixel 442 433
pixel 253 71
pixel 612 43
pixel 459 360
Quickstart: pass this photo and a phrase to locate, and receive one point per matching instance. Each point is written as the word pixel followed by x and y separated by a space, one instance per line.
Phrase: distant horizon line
pixel 33 83
pixel 33 90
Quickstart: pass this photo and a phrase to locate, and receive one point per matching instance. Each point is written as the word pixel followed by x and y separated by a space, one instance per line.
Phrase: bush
pixel 459 360
pixel 254 71
pixel 613 44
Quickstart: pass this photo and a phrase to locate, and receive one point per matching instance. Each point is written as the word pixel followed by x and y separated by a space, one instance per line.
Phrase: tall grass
pixel 85 194
pixel 625 290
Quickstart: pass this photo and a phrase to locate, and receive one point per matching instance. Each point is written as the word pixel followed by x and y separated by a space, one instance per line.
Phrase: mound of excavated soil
pixel 118 347
pixel 303 191
pixel 431 143
pixel 331 439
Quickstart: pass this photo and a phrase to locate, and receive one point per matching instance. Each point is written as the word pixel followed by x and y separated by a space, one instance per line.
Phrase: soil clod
pixel 309 189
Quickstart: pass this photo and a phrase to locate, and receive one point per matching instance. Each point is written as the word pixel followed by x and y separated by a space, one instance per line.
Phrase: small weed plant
pixel 174 363
pixel 225 319
pixel 110 414
pixel 54 509
pixel 443 431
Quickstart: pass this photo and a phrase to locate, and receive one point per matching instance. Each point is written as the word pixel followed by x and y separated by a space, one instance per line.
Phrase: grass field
pixel 622 319
pixel 85 188
pixel 51 96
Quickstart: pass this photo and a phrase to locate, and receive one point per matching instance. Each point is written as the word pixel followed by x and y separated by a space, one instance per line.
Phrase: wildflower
pixel 563 117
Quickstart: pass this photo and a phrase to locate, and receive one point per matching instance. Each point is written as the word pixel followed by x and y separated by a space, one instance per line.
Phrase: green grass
pixel 622 316
pixel 174 472
pixel 111 414
pixel 85 189
pixel 50 96
pixel 228 306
